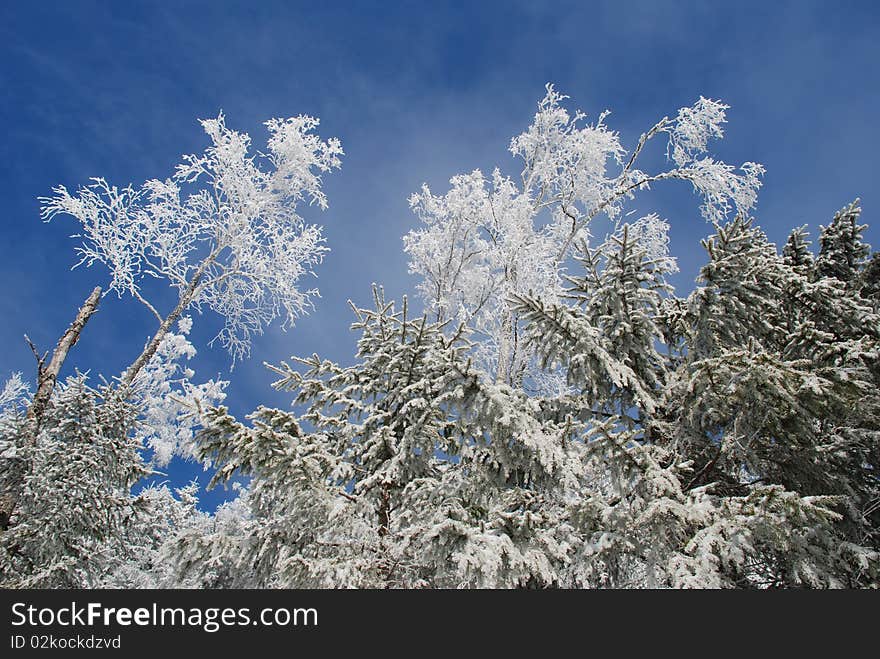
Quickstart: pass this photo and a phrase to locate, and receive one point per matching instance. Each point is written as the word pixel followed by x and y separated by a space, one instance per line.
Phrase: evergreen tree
pixel 75 478
pixel 725 481
pixel 842 252
pixel 785 392
pixel 608 339
pixel 796 252
pixel 745 458
pixel 70 475
pixel 407 469
pixel 160 515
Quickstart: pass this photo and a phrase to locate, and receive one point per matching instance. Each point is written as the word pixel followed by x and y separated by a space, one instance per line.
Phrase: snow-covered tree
pixel 842 252
pixel 208 550
pixel 712 467
pixel 79 516
pixel 168 401
pixel 406 469
pixel 774 403
pixel 726 439
pixel 161 515
pixel 557 418
pixel 72 483
pixel 870 281
pixel 608 338
pixel 491 238
pixel 796 252
pixel 780 383
pixel 13 394
pixel 223 230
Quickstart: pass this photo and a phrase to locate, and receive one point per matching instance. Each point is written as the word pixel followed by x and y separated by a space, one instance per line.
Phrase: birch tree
pixel 491 237
pixel 222 230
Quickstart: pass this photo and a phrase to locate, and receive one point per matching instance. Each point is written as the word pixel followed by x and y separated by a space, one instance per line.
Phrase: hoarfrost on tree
pixel 489 238
pixel 14 392
pixel 608 433
pixel 169 402
pixel 223 229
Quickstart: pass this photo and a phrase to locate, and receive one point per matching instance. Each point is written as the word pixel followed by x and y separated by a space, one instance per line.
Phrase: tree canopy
pixel 554 415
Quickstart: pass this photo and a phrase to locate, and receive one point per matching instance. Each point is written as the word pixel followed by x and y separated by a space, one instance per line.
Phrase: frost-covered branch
pixel 13 393
pixel 489 238
pixel 223 230
pixel 170 403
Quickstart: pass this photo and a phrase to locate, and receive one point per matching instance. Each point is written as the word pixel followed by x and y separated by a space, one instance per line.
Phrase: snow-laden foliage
pixel 726 440
pixel 842 252
pixel 558 417
pixel 781 384
pixel 72 515
pixel 607 339
pixel 162 514
pixel 13 394
pixel 72 484
pixel 410 471
pixel 79 518
pixel 796 252
pixel 169 402
pixel 223 229
pixel 870 282
pixel 490 238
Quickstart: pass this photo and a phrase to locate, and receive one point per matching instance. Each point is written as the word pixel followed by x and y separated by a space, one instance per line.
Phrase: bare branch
pixel 48 375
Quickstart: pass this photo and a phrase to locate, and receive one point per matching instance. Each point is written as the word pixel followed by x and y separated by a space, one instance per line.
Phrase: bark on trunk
pixel 185 298
pixel 47 376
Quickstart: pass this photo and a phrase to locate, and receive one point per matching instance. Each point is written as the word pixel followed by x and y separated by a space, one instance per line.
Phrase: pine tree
pixel 738 292
pixel 842 252
pixel 159 515
pixel 609 338
pixel 727 480
pixel 75 479
pixel 407 469
pixel 744 456
pixel 796 252
pixel 785 392
pixel 80 516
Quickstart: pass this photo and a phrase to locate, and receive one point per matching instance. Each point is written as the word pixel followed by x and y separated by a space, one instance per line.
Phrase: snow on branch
pixel 13 393
pixel 223 229
pixel 488 239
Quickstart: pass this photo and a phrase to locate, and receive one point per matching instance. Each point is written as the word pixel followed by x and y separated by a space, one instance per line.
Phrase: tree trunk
pixel 185 298
pixel 47 376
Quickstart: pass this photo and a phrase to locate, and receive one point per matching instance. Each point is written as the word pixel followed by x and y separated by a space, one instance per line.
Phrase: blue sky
pixel 417 92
